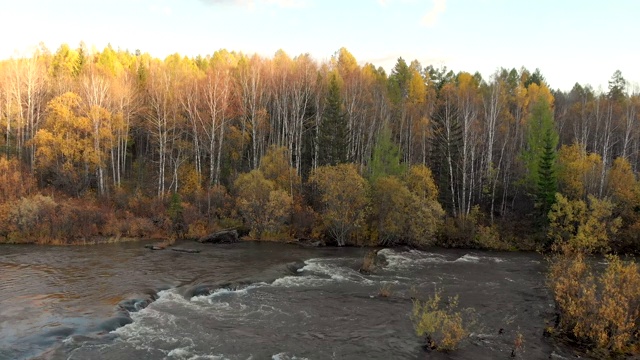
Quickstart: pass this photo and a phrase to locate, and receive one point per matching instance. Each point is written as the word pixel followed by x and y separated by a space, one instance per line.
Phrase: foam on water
pixel 321 268
pixel 285 356
pixel 408 259
pixel 477 259
pixel 296 281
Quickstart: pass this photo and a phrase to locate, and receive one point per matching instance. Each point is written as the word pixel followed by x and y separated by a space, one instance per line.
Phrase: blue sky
pixel 569 40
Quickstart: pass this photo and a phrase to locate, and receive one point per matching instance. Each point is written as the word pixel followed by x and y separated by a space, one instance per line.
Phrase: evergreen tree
pixel 386 157
pixel 333 132
pixel 446 143
pixel 178 225
pixel 540 156
pixel 617 86
pixel 547 180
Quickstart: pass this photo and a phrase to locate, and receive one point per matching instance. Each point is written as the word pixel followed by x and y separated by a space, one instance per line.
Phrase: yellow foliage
pixel 189 180
pixel 623 185
pixel 391 209
pixel 582 226
pixel 417 92
pixel 441 324
pixel 252 199
pixel 604 310
pixel 578 171
pixel 73 139
pixel 419 180
pixel 343 195
pixel 14 183
pixel 275 167
pixel 263 207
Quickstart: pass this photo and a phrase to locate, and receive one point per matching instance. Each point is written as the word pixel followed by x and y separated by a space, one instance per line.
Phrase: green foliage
pixel 617 86
pixel 439 322
pixel 178 226
pixel 547 181
pixel 540 156
pixel 386 158
pixel 333 138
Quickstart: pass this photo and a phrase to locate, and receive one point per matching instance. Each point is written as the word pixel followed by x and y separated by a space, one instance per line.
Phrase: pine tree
pixel 333 132
pixel 540 157
pixel 547 180
pixel 386 157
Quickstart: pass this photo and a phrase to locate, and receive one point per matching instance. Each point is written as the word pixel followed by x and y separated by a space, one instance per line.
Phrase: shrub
pixel 582 226
pixel 343 200
pixel 264 208
pixel 602 311
pixel 369 262
pixel 385 290
pixel 441 324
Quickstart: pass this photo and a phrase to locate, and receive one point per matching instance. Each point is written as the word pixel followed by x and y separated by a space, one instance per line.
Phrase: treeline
pixel 125 130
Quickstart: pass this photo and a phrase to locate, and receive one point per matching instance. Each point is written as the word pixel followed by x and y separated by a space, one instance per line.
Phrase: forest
pixel 117 145
pixel 107 146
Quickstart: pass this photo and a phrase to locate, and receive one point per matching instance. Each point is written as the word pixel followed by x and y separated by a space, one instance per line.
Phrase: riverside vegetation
pixel 112 145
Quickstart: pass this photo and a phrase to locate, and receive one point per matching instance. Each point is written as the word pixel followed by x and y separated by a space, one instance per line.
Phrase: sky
pixel 570 41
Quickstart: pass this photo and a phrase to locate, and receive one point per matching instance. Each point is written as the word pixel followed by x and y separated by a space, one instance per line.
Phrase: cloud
pixel 431 17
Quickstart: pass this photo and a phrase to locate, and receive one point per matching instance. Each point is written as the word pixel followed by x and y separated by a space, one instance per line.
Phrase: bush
pixel 343 200
pixel 582 226
pixel 601 311
pixel 441 324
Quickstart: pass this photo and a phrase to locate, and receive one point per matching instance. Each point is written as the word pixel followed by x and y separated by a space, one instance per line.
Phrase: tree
pixel 333 132
pixel 342 199
pixel 617 87
pixel 426 213
pixel 386 157
pixel 264 208
pixel 66 152
pixel 275 167
pixel 447 138
pixel 547 181
pixel 578 172
pixel 391 208
pixel 540 156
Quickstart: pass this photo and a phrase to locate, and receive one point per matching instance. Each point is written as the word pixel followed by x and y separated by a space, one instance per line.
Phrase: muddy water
pixel 260 301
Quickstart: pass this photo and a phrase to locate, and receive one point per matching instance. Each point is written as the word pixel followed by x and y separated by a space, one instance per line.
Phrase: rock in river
pixel 221 237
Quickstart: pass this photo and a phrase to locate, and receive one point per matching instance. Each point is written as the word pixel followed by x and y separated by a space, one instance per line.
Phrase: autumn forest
pixel 117 145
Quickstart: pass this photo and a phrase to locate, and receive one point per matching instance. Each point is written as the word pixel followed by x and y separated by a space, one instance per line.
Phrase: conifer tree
pixel 547 180
pixel 386 157
pixel 333 132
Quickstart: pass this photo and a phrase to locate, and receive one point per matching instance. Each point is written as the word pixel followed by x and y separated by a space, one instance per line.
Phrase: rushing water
pixel 260 301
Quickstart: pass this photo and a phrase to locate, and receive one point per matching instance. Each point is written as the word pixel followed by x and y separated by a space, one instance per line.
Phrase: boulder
pixel 221 237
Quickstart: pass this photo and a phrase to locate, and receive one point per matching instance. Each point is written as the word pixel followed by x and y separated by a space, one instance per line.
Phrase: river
pixel 261 301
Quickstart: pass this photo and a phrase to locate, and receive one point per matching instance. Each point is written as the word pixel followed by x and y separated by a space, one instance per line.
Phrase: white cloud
pixel 431 17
